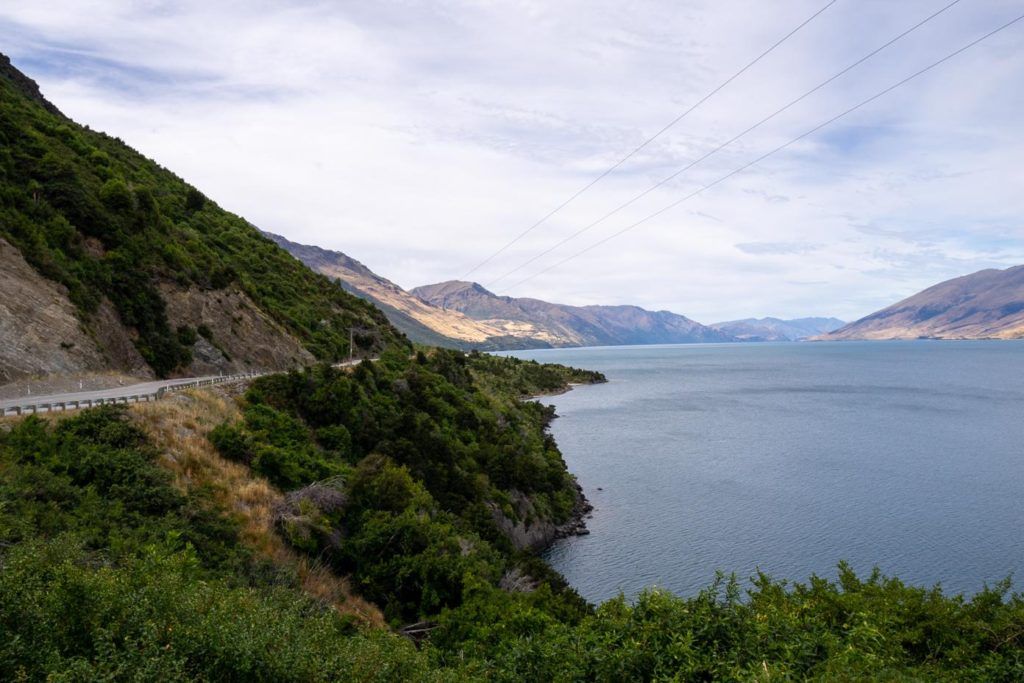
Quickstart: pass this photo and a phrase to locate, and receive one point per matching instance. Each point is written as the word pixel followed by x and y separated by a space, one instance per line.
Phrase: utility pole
pixel 351 345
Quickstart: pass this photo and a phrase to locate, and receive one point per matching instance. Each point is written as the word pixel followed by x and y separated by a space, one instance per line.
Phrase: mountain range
pixel 564 325
pixel 774 329
pixel 988 304
pixel 466 315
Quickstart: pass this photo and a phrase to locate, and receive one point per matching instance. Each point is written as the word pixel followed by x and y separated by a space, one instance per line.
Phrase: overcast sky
pixel 420 137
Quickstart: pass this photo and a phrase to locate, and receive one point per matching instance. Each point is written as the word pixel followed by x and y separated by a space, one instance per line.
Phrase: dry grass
pixel 178 426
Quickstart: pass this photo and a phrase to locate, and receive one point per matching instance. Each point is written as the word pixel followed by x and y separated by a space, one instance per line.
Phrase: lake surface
pixel 791 457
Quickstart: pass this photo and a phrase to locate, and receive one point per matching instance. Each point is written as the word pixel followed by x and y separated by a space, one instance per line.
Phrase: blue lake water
pixel 791 457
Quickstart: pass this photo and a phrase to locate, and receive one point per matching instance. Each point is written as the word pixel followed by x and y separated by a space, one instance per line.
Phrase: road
pixel 143 391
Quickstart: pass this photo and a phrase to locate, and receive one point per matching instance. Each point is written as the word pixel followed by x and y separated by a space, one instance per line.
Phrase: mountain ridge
pixel 987 304
pixel 566 325
pixel 419 320
pixel 777 329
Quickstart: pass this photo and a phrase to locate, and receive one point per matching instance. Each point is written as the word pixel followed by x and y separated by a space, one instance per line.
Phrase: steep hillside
pixel 114 263
pixel 561 325
pixel 774 329
pixel 988 304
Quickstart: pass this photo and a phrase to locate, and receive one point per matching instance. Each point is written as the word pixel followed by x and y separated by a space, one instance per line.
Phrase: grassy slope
pixel 91 213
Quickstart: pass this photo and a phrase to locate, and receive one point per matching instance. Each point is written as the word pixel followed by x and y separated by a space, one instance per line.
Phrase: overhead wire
pixel 648 141
pixel 725 144
pixel 774 151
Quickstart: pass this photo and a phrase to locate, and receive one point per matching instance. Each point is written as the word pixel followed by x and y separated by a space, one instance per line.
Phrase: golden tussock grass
pixel 178 426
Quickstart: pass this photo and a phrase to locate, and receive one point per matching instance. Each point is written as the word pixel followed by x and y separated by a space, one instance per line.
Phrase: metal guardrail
pixel 127 397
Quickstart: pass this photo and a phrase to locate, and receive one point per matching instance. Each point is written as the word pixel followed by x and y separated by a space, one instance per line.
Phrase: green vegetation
pixel 428 456
pixel 91 213
pixel 514 377
pixel 403 475
pixel 852 629
pixel 108 572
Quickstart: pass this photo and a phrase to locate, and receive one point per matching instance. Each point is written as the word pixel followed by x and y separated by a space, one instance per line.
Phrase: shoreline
pixel 576 524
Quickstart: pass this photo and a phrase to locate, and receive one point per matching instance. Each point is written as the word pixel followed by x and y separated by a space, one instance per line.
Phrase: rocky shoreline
pixel 577 522
pixel 542 536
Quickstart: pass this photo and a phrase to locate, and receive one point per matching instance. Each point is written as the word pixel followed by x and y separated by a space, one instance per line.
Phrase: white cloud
pixel 421 137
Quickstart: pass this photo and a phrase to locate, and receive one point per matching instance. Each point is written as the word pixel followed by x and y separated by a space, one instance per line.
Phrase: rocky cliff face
pixel 538 534
pixel 988 304
pixel 42 333
pixel 562 325
pixel 239 336
pixel 39 330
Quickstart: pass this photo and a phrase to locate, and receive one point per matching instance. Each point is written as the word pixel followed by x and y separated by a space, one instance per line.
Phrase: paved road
pixel 113 392
pixel 141 389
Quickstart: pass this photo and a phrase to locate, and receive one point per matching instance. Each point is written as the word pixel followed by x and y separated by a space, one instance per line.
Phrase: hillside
pixel 420 321
pixel 775 329
pixel 112 263
pixel 988 304
pixel 562 325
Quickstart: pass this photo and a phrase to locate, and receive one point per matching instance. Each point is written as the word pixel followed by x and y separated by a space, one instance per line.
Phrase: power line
pixel 725 144
pixel 774 151
pixel 648 140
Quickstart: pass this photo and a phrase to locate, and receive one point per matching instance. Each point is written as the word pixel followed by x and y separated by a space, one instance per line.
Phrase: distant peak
pixel 452 286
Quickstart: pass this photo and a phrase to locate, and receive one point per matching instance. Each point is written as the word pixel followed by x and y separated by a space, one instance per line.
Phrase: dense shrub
pixel 434 453
pixel 67 615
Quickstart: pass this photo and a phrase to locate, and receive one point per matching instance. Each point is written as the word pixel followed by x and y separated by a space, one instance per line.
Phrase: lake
pixel 908 456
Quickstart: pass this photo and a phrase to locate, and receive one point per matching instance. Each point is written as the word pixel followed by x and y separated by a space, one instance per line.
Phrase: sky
pixel 422 137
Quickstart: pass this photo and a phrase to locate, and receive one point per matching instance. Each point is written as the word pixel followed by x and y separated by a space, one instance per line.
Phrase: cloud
pixel 777 248
pixel 421 137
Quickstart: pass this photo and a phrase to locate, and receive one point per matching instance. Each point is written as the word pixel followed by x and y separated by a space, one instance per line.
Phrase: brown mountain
pixel 563 325
pixel 420 321
pixel 988 304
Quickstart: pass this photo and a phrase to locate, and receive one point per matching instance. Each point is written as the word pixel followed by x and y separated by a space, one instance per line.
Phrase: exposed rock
pixel 117 344
pixel 40 332
pixel 243 337
pixel 539 534
pixel 26 85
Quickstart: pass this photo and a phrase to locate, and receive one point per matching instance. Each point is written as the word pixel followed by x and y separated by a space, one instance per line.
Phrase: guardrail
pixel 127 397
